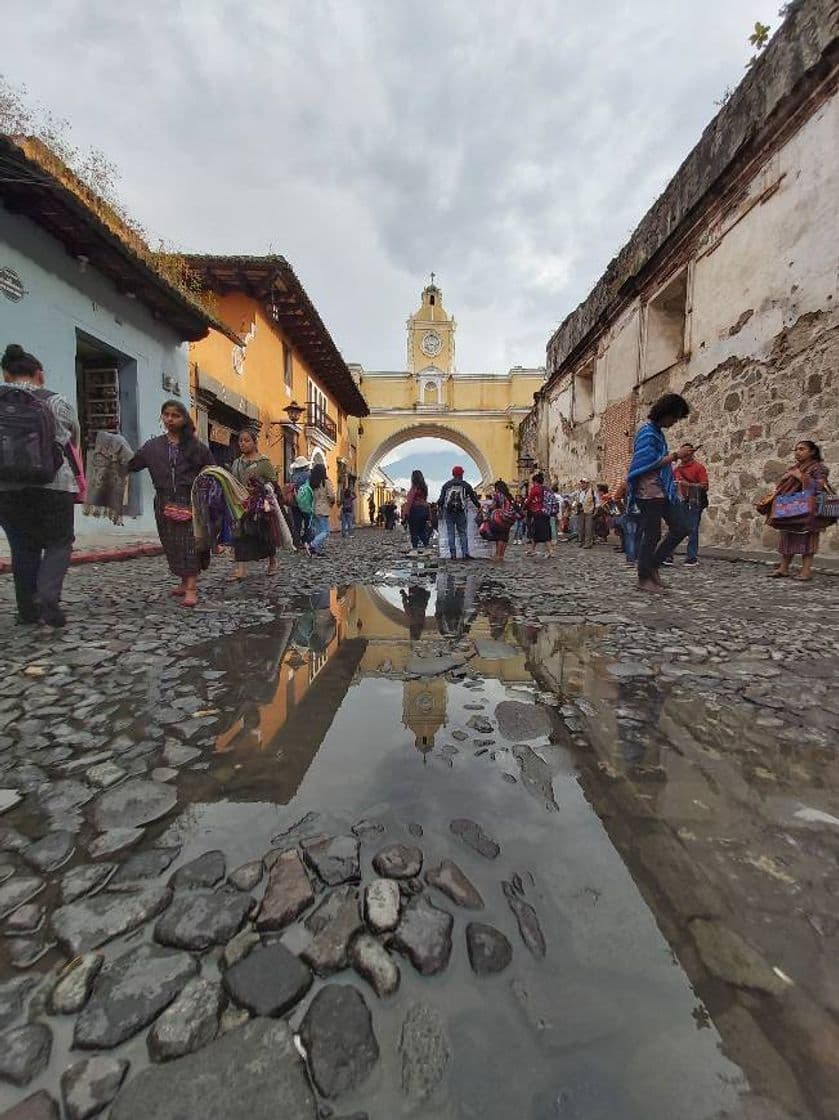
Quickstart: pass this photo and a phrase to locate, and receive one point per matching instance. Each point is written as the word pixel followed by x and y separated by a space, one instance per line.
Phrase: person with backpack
pixel 452 505
pixel 500 519
pixel 323 498
pixel 348 507
pixel 298 474
pixel 37 485
pixel 542 505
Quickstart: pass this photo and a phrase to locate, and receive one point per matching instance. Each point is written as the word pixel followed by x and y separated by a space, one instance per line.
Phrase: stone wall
pixel 748 415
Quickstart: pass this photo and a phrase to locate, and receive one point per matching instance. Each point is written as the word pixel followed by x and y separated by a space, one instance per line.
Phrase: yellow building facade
pixel 478 412
pixel 281 375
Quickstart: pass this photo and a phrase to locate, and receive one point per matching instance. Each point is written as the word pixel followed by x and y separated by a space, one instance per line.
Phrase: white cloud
pixel 425 445
pixel 509 148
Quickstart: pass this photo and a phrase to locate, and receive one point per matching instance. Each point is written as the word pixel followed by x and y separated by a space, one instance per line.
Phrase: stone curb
pixel 102 556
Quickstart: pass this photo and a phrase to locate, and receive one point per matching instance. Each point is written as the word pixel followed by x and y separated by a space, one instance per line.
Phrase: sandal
pixel 177 592
pixel 190 599
pixel 233 578
pixel 804 579
pixel 778 574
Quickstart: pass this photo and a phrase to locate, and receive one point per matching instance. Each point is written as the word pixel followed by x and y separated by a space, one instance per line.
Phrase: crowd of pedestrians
pixel 202 509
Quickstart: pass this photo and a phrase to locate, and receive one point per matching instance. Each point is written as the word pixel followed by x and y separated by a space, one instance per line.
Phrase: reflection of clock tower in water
pixel 424 710
pixel 431 349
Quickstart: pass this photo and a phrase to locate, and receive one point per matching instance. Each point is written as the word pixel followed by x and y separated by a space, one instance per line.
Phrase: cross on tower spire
pixel 432 279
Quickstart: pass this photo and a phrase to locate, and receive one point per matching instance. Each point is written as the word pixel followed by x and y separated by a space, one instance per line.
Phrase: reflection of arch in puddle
pixel 388 601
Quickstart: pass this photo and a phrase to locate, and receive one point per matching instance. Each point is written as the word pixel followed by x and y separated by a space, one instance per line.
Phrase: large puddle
pixel 327 716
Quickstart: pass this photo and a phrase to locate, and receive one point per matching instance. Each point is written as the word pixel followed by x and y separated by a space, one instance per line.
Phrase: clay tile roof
pixel 34 182
pixel 272 281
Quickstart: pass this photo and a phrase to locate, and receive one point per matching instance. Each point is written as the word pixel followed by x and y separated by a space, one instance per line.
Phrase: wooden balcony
pixel 319 422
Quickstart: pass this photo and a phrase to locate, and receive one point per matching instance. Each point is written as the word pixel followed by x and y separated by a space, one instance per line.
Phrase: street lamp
pixel 277 428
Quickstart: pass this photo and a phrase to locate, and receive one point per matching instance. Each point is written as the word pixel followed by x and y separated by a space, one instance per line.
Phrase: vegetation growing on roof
pixel 89 175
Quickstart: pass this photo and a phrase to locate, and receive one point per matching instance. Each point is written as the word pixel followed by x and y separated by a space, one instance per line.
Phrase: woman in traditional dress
pixel 808 472
pixel 540 522
pixel 174 460
pixel 253 470
pixel 502 517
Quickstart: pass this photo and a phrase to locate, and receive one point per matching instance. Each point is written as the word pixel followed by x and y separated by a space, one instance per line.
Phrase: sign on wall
pixel 11 285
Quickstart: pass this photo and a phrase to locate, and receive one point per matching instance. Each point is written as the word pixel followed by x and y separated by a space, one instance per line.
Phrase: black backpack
pixel 454 499
pixel 29 450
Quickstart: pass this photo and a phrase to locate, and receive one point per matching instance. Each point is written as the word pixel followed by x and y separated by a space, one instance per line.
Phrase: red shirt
pixel 534 498
pixel 690 474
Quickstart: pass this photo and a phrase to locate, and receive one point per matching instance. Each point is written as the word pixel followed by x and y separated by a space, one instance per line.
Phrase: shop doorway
pixel 107 398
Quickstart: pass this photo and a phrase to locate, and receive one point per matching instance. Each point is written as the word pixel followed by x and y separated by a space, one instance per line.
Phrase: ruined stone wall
pixel 752 290
pixel 748 415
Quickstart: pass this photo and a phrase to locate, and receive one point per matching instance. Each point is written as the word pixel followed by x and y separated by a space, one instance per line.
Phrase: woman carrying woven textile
pixel 254 537
pixel 502 516
pixel 808 472
pixel 174 461
pixel 651 485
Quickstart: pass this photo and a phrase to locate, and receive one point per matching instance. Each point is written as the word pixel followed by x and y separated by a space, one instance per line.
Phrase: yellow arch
pixel 419 430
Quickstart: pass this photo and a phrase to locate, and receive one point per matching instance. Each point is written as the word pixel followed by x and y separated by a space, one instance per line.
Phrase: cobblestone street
pixel 651 780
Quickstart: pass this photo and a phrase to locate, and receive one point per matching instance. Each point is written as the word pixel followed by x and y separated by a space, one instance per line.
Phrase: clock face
pixel 431 344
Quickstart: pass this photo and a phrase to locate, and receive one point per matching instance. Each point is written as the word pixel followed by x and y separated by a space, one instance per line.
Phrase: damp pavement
pixel 382 837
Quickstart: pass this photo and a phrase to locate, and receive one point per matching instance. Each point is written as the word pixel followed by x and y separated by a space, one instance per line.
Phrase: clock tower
pixel 431 346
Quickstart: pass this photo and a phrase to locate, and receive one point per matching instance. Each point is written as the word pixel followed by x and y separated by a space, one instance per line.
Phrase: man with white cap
pixel 587 497
pixel 452 505
pixel 298 474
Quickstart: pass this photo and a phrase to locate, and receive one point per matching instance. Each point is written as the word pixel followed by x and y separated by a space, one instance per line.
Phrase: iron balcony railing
pixel 317 417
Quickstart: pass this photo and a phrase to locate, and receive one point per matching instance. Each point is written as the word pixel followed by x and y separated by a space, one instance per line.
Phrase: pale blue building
pixel 110 329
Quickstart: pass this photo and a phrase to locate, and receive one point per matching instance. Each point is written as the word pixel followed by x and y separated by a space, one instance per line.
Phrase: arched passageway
pixel 417 431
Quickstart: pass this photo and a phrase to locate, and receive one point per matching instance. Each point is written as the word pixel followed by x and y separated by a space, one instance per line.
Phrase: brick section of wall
pixel 617 429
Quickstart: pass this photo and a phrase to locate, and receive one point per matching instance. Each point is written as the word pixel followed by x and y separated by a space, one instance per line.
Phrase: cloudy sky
pixel 511 148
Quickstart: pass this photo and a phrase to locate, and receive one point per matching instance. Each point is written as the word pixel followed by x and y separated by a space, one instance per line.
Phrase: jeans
pixel 651 553
pixel 347 522
pixel 39 526
pixel 457 523
pixel 692 515
pixel 520 531
pixel 629 524
pixel 319 530
pixel 298 525
pixel 419 526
